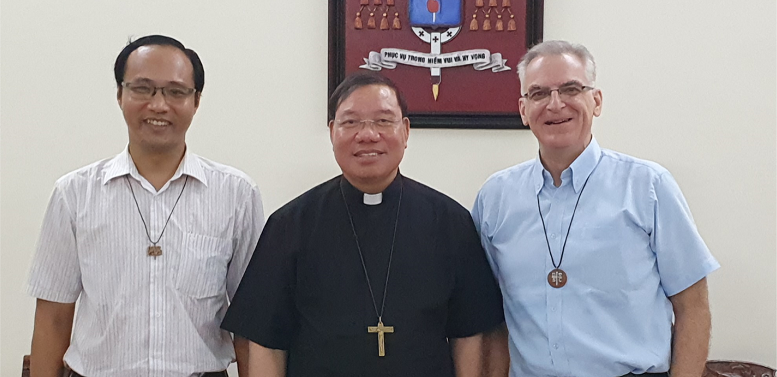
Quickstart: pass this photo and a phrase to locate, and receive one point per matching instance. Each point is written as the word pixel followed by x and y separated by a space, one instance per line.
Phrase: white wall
pixel 689 84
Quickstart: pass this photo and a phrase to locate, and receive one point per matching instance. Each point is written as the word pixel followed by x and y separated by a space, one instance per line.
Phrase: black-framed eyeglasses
pixel 144 91
pixel 565 92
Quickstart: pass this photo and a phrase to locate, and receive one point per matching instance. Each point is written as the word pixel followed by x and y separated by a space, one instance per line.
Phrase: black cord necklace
pixel 557 278
pixel 380 329
pixel 154 250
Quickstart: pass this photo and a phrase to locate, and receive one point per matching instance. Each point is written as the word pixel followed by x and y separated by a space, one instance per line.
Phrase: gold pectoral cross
pixel 381 330
pixel 154 251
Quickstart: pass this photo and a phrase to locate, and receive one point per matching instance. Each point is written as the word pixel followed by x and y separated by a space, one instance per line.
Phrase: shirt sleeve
pixel 55 274
pixel 481 226
pixel 683 258
pixel 476 304
pixel 263 308
pixel 249 224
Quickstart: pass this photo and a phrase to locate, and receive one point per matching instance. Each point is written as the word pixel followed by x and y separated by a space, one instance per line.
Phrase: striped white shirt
pixel 138 315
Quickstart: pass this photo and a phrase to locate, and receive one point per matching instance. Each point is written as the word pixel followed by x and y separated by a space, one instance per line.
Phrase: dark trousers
pixel 665 374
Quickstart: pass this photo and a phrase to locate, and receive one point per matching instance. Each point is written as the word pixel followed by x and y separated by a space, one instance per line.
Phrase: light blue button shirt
pixel 633 243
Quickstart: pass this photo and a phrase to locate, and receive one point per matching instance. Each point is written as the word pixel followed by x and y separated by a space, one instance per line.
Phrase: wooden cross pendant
pixel 381 330
pixel 154 251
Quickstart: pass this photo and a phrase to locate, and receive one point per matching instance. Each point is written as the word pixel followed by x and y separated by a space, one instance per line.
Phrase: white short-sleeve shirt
pixel 139 315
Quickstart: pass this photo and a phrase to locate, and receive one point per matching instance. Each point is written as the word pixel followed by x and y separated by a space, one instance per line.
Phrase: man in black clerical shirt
pixel 370 273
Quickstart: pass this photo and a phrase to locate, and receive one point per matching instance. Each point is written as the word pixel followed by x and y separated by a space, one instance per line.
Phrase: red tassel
pixel 371 21
pixel 390 3
pixel 505 3
pixel 384 23
pixel 397 25
pixel 357 23
pixel 379 2
pixel 479 3
pixel 499 24
pixel 492 3
pixel 474 24
pixel 511 24
pixel 365 2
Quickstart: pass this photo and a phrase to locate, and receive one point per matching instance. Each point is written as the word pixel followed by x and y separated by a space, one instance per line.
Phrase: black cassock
pixel 304 290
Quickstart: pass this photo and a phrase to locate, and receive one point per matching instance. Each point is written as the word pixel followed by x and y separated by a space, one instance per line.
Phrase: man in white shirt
pixel 152 242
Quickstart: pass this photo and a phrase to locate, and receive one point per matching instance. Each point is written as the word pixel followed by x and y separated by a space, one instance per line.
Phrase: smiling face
pixel 562 125
pixel 369 154
pixel 157 125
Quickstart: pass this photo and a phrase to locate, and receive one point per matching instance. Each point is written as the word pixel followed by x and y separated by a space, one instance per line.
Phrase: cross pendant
pixel 381 330
pixel 154 251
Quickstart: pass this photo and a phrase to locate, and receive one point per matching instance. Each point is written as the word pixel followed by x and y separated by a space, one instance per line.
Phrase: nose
pixel 555 102
pixel 367 133
pixel 158 102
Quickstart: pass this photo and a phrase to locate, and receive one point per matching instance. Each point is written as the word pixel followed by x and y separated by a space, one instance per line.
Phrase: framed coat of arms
pixel 453 59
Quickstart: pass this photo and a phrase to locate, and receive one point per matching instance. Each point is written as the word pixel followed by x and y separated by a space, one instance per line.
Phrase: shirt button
pixel 553 308
pixel 553 235
pixel 158 314
pixel 555 346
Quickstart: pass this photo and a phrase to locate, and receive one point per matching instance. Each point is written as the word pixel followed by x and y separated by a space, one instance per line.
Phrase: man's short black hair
pixel 358 80
pixel 120 67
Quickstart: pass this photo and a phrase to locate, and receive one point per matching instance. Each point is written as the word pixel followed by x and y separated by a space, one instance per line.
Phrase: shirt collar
pixel 584 164
pixel 119 166
pixel 191 166
pixel 122 165
pixel 581 168
pixel 536 174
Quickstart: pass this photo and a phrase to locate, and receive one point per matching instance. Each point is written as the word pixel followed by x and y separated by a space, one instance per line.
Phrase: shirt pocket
pixel 614 258
pixel 202 271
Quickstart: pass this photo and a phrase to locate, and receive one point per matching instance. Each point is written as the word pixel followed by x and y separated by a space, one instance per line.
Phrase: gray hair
pixel 559 48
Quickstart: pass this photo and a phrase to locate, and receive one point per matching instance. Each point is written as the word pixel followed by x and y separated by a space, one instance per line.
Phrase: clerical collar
pixel 358 197
pixel 373 199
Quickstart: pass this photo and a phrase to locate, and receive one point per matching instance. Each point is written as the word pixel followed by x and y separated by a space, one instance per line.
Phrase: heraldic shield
pixel 430 13
pixel 449 57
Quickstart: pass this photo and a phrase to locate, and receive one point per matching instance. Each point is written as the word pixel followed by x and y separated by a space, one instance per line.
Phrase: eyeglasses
pixel 145 92
pixel 354 124
pixel 565 92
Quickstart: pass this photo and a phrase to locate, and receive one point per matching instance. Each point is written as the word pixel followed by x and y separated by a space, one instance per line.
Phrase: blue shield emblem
pixel 435 13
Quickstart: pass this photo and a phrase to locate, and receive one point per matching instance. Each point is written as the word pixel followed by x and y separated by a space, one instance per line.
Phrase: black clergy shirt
pixel 305 291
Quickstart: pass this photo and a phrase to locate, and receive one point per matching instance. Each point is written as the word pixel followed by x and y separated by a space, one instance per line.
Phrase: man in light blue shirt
pixel 596 252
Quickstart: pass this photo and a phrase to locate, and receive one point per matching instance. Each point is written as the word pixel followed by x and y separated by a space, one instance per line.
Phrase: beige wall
pixel 689 84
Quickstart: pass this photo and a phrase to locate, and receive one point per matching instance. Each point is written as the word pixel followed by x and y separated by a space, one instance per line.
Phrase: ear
pixel 406 128
pixel 332 131
pixel 119 91
pixel 598 102
pixel 522 110
pixel 197 96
